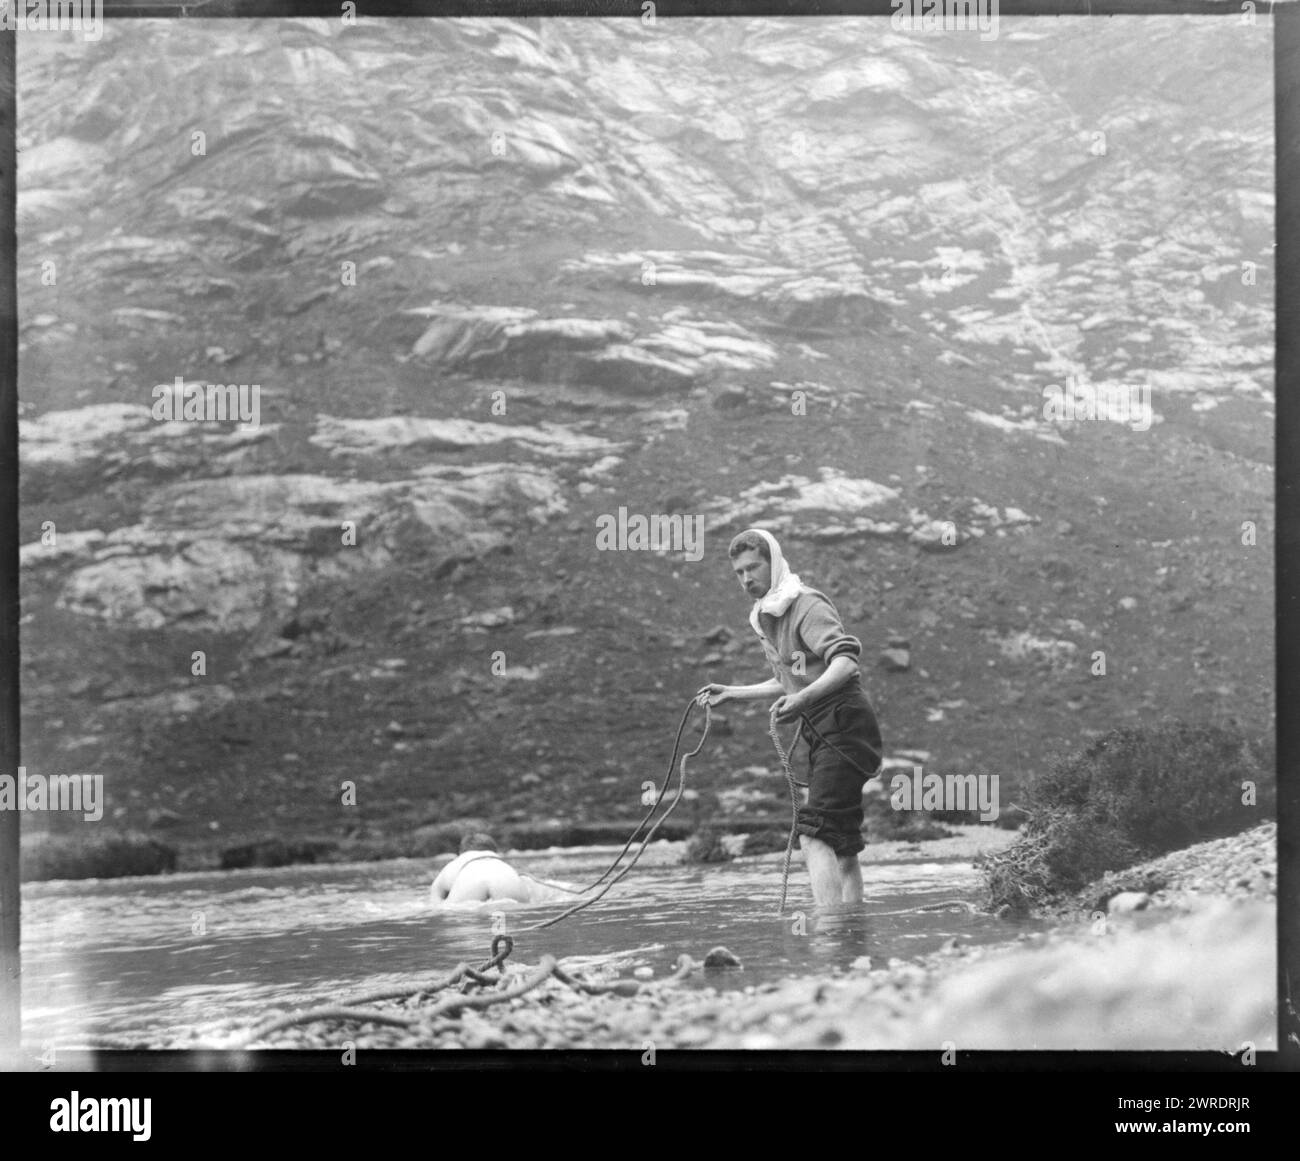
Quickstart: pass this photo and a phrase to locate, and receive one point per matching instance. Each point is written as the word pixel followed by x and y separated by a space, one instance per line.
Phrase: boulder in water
pixel 721 957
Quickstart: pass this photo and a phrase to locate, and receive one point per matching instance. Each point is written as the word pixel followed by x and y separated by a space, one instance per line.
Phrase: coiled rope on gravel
pixel 493 990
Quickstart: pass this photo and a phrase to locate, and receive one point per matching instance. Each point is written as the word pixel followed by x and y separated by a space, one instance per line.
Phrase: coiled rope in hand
pixel 794 785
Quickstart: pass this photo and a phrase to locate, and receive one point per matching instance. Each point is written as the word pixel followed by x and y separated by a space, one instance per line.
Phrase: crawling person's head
pixel 478 841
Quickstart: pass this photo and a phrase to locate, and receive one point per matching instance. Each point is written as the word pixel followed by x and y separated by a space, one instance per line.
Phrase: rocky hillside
pixel 498 279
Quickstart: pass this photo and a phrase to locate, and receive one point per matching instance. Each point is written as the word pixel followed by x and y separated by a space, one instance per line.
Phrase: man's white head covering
pixel 785 586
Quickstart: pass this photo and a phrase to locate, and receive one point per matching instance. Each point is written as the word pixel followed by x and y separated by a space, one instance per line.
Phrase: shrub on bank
pixel 1131 795
pixel 102 856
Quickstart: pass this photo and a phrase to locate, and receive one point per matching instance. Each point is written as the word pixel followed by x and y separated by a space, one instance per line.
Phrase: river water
pixel 170 961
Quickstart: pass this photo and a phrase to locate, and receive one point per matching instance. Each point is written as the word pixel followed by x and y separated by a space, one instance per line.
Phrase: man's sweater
pixel 803 641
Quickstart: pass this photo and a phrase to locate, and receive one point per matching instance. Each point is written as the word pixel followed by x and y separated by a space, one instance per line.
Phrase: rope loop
pixel 499 958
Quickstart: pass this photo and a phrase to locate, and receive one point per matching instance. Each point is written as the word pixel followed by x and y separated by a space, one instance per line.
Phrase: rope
pixel 461 973
pixel 449 1006
pixel 793 784
pixel 946 905
pixel 681 787
pixel 500 991
pixel 677 742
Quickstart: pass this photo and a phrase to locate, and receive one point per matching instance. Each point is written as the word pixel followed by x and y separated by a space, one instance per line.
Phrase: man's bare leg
pixel 850 879
pixel 823 870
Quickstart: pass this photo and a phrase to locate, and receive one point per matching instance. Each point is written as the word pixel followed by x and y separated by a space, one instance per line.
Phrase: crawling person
pixel 815 663
pixel 480 875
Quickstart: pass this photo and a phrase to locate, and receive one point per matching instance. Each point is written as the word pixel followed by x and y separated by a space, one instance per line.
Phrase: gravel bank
pixel 1241 866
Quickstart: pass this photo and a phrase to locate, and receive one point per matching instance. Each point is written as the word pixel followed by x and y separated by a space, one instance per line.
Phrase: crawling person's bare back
pixel 480 875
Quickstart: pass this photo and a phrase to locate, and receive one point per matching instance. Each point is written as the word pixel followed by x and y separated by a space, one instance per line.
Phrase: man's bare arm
pixel 837 673
pixel 716 694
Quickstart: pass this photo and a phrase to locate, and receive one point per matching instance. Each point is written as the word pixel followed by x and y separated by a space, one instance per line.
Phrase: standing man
pixel 816 666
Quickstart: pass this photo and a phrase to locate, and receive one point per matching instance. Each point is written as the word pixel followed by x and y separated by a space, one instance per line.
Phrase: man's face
pixel 753 572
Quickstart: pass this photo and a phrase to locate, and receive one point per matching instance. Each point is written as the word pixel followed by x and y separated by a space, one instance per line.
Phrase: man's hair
pixel 478 841
pixel 750 541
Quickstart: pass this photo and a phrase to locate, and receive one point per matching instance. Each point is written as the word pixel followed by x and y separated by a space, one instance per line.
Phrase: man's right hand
pixel 713 694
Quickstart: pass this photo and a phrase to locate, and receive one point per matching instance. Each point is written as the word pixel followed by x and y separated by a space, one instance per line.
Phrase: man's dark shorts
pixel 840 767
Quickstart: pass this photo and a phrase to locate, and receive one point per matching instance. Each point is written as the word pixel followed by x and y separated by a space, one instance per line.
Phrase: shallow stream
pixel 163 958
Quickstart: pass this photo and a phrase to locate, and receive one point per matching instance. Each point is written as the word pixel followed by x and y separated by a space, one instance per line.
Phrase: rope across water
pixel 681 787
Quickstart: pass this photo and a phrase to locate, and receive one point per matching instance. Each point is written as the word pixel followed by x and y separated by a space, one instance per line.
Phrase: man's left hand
pixel 788 707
